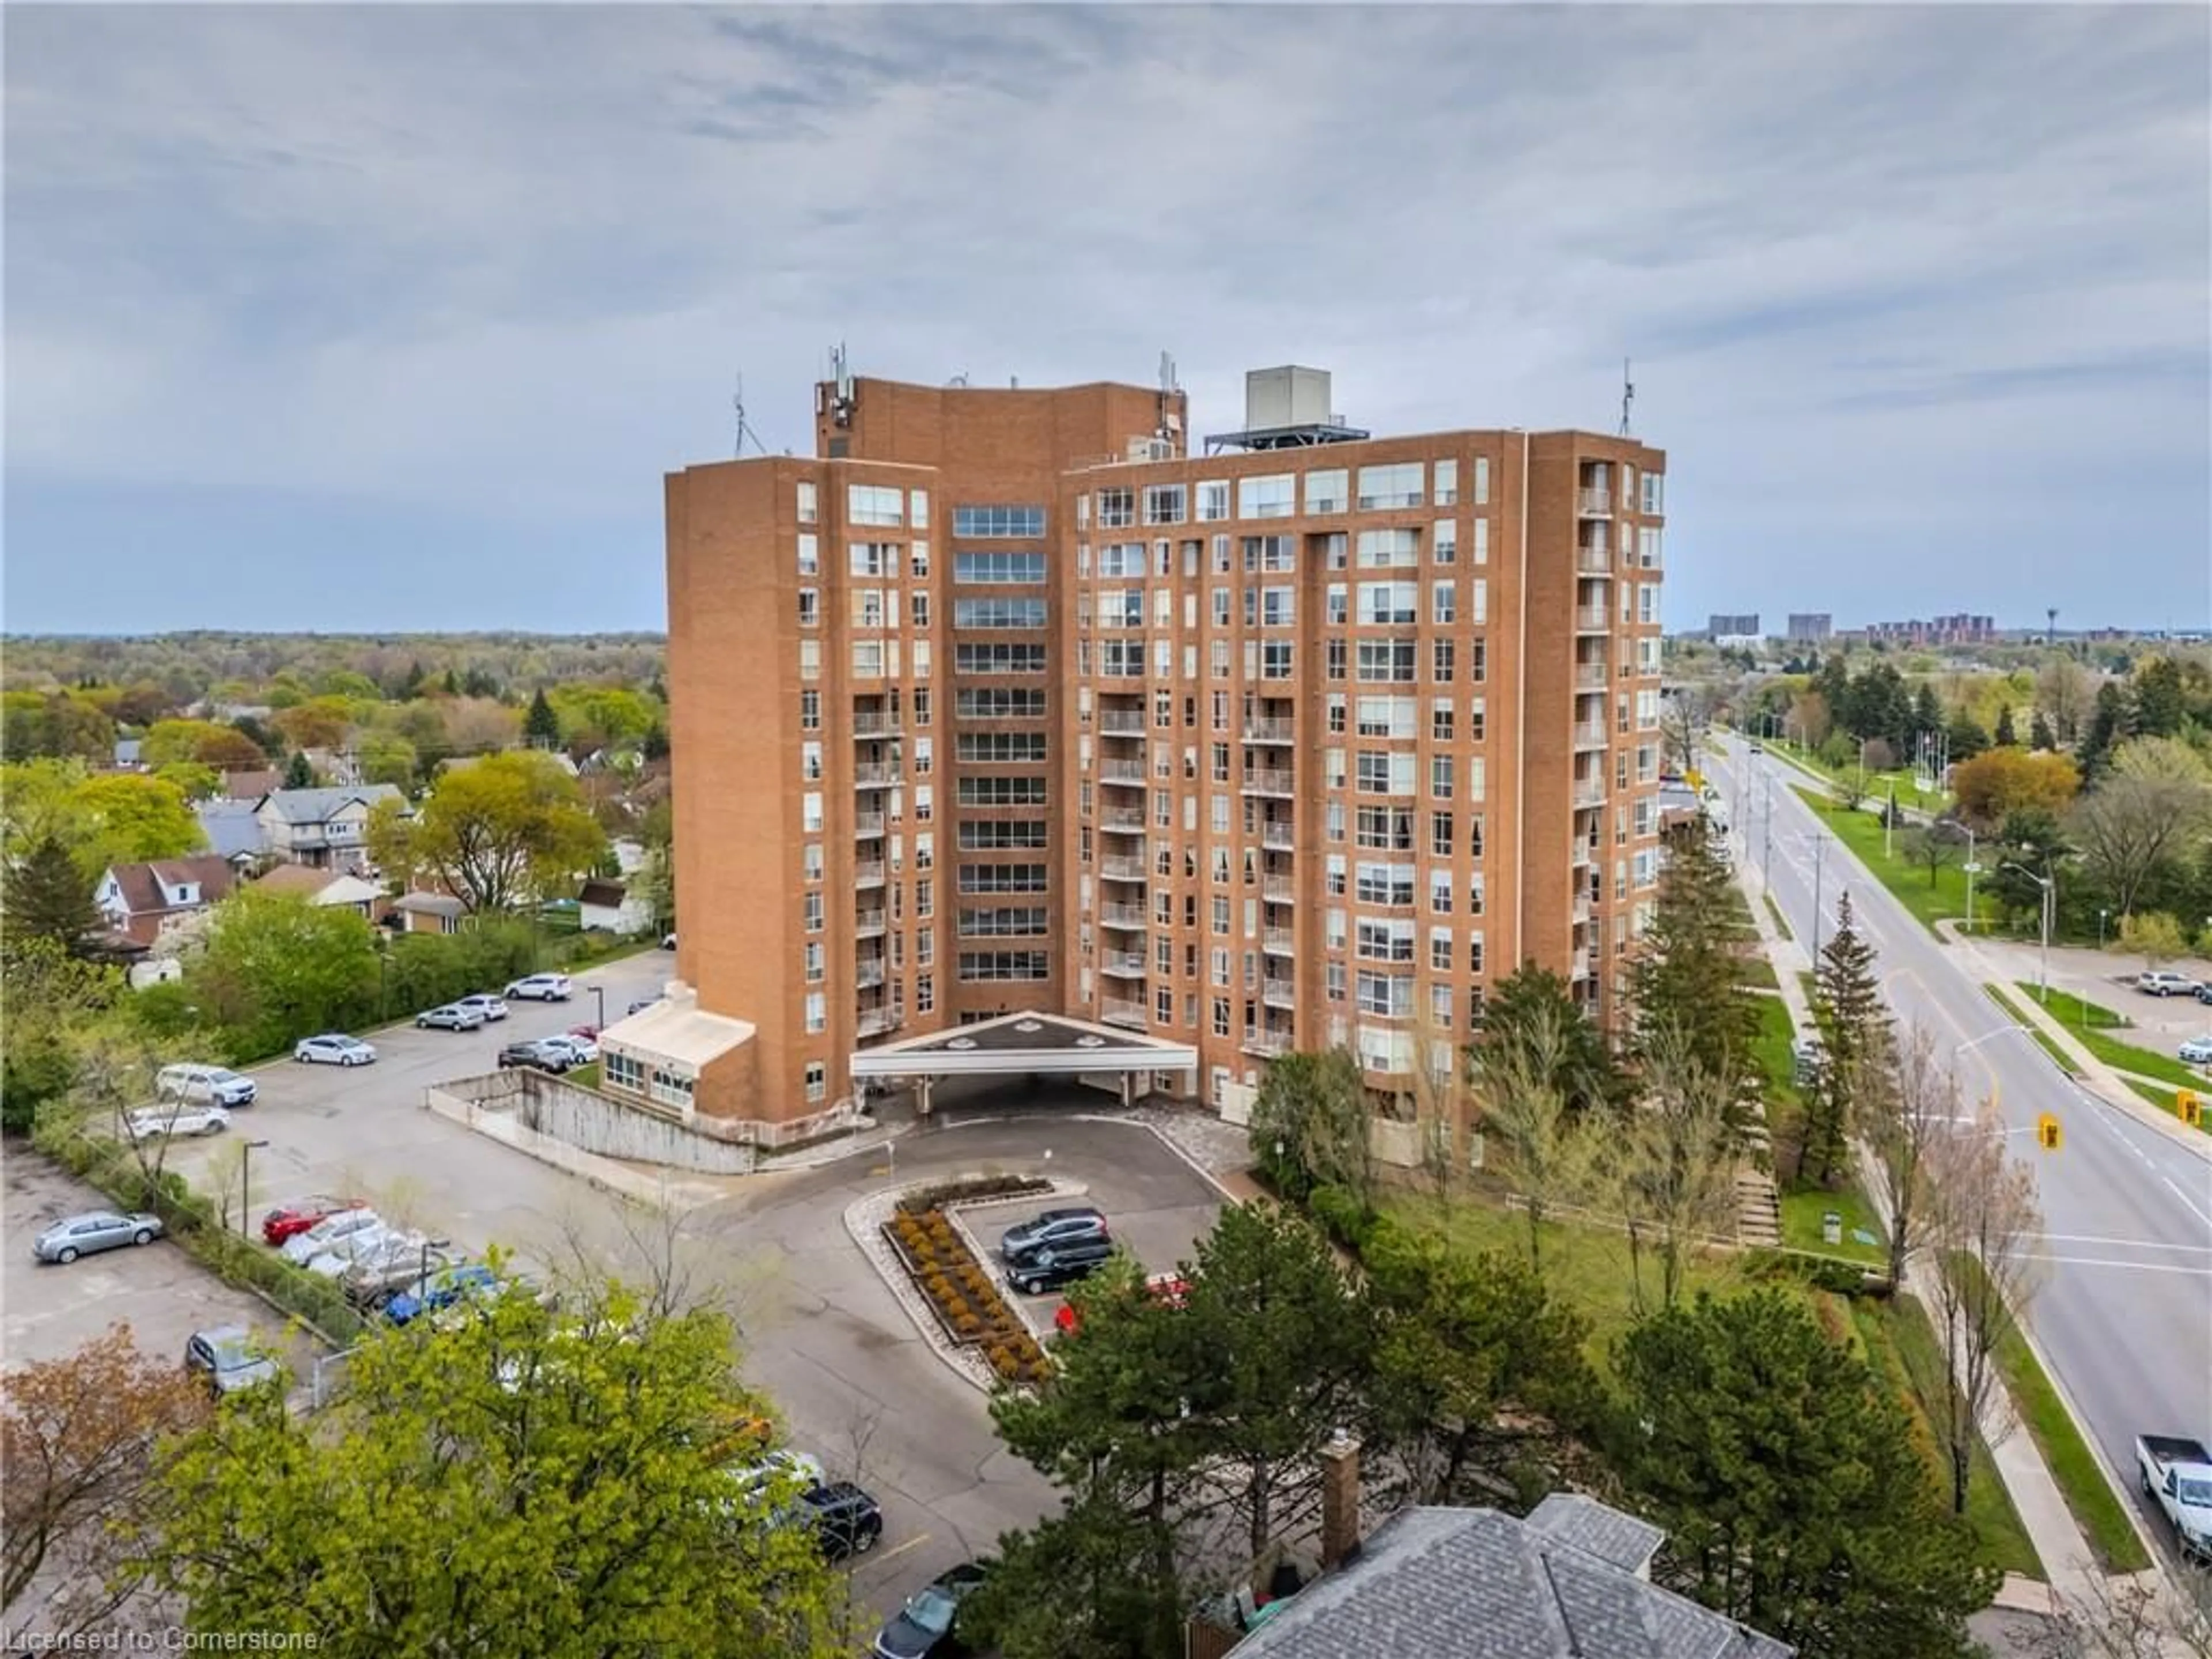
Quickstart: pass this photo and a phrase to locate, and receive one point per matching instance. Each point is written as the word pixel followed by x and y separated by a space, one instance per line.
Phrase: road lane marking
pixel 898 1550
pixel 2185 1198
pixel 2134 1267
pixel 2128 1243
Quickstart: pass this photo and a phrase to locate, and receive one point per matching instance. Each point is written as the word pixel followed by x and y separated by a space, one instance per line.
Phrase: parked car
pixel 446 1286
pixel 2165 982
pixel 304 1247
pixel 333 1048
pixel 540 988
pixel 289 1220
pixel 96 1230
pixel 2205 994
pixel 371 1244
pixel 231 1360
pixel 928 1625
pixel 1053 1267
pixel 491 1007
pixel 640 1005
pixel 213 1085
pixel 539 1055
pixel 1168 1289
pixel 2177 1476
pixel 846 1520
pixel 176 1121
pixel 581 1050
pixel 781 1472
pixel 1060 1226
pixel 2198 1051
pixel 668 941
pixel 398 1262
pixel 452 1016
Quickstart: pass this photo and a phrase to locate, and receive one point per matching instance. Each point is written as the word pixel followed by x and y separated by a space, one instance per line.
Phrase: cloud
pixel 1899 284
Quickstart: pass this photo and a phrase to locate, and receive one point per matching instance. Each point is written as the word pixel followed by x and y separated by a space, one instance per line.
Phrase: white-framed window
pixel 818 1082
pixel 809 554
pixel 1388 603
pixel 875 504
pixel 868 658
pixel 1654 494
pixel 1269 495
pixel 1212 499
pixel 810 607
pixel 810 812
pixel 1447 481
pixel 918 508
pixel 806 500
pixel 810 762
pixel 1395 485
pixel 818 1012
pixel 1479 601
pixel 811 959
pixel 1164 503
pixel 1443 542
pixel 1443 602
pixel 1389 549
pixel 1327 490
pixel 1482 481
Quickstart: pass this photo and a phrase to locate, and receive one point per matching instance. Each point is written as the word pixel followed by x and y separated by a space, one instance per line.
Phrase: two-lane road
pixel 2123 1310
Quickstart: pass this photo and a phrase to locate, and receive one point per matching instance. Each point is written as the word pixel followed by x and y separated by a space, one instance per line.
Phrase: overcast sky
pixel 394 318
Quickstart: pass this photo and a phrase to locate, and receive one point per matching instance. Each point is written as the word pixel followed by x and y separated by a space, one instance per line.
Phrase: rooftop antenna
pixel 744 427
pixel 1169 428
pixel 840 407
pixel 1627 395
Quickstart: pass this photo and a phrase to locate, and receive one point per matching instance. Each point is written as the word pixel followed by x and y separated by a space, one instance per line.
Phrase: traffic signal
pixel 2046 1133
pixel 2188 1108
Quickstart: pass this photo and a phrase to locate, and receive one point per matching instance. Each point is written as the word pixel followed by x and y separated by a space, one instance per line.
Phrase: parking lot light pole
pixel 245 1150
pixel 422 1280
pixel 600 1004
pixel 2049 886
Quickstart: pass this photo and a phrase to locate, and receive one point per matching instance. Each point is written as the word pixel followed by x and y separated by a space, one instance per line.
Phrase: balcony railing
pixel 1121 723
pixel 873 725
pixel 875 1021
pixel 868 924
pixel 1594 503
pixel 1590 793
pixel 1590 734
pixel 1582 909
pixel 1594 560
pixel 1115 1011
pixel 867 974
pixel 1592 676
pixel 869 825
pixel 1279 941
pixel 1279 890
pixel 1121 771
pixel 1123 820
pixel 1579 967
pixel 1123 869
pixel 869 872
pixel 1269 1040
pixel 1582 855
pixel 1270 731
pixel 1279 837
pixel 874 777
pixel 1592 619
pixel 1123 964
pixel 1268 781
pixel 1123 916
pixel 1278 993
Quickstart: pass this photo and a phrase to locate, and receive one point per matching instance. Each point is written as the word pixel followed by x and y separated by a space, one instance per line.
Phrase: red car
pixel 1170 1288
pixel 301 1213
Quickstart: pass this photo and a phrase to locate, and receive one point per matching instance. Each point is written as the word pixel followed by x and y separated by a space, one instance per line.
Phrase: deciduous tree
pixel 1931 846
pixel 277 968
pixel 2064 695
pixel 496 832
pixel 2155 936
pixel 2005 781
pixel 1521 1111
pixel 2127 828
pixel 1786 1478
pixel 1310 1126
pixel 1921 1103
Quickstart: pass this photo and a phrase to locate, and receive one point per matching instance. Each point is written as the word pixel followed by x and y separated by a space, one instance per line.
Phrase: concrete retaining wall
pixel 528 1107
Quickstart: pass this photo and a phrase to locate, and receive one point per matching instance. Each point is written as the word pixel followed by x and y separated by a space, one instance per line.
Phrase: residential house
pixel 321 826
pixel 140 900
pixel 326 888
pixel 1573 1579
pixel 233 831
pixel 130 756
pixel 611 906
pixel 252 784
pixel 427 913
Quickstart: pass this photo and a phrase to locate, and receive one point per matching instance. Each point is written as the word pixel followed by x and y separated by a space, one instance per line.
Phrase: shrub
pixel 1822 1272
pixel 1342 1216
pixel 967 1325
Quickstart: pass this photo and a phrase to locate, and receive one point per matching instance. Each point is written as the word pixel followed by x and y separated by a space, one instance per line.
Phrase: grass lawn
pixel 2162 1097
pixel 1781 922
pixel 1801 1210
pixel 2043 1039
pixel 2091 1023
pixel 586 1077
pixel 1757 971
pixel 1897 1333
pixel 1586 1267
pixel 1944 898
pixel 1771 1046
pixel 1879 784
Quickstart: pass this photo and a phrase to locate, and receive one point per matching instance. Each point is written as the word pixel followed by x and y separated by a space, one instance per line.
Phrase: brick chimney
pixel 1340 1500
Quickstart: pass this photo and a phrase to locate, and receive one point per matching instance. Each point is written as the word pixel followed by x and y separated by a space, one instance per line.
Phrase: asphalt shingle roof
pixel 316 805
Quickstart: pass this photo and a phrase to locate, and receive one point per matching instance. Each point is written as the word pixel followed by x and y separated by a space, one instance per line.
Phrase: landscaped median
pixel 2026 1021
pixel 1941 897
pixel 2150 1076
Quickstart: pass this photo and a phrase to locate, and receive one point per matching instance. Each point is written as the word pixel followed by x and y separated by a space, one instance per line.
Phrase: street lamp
pixel 1820 866
pixel 600 1005
pixel 422 1280
pixel 2049 886
pixel 245 1150
pixel 2101 914
pixel 1973 870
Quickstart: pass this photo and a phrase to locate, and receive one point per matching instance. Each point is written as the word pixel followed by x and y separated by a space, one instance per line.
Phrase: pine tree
pixel 542 727
pixel 2006 737
pixel 47 896
pixel 1927 713
pixel 2109 723
pixel 299 775
pixel 1855 1034
pixel 453 683
pixel 2039 734
pixel 1684 984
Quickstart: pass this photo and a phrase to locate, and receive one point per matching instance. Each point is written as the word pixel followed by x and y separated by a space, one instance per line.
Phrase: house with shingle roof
pixel 321 827
pixel 141 900
pixel 326 888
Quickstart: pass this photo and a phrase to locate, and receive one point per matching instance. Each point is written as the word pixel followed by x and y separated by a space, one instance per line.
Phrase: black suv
pixel 1052 1265
pixel 533 1057
pixel 845 1519
pixel 1052 1229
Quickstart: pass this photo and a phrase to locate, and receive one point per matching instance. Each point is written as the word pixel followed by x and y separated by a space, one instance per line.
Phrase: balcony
pixel 873 725
pixel 1592 676
pixel 1279 837
pixel 1581 909
pixel 1122 964
pixel 1594 503
pixel 1123 820
pixel 1594 560
pixel 1114 1011
pixel 868 826
pixel 868 873
pixel 1592 619
pixel 1579 967
pixel 1124 915
pixel 1278 993
pixel 1279 942
pixel 1279 890
pixel 1269 1040
pixel 1123 869
pixel 874 777
pixel 1590 734
pixel 1121 723
pixel 1121 771
pixel 868 973
pixel 1266 780
pixel 878 1022
pixel 1589 791
pixel 1583 854
pixel 1273 730
pixel 869 924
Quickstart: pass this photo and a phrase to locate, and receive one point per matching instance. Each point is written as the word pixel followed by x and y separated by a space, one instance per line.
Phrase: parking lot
pixel 1160 1236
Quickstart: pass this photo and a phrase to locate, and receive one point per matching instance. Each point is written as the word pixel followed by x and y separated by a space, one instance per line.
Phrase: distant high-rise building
pixel 1811 627
pixel 1741 626
pixel 1007 710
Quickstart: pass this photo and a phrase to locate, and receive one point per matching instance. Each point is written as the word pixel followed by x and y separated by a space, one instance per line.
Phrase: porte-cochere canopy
pixel 1020 1044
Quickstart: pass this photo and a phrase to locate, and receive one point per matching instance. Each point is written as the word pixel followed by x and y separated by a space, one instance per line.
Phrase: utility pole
pixel 1766 852
pixel 1820 865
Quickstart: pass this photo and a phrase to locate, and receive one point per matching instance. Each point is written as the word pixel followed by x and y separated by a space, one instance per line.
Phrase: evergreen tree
pixel 2006 737
pixel 2040 736
pixel 1968 739
pixel 2158 700
pixel 2110 722
pixel 1684 986
pixel 46 895
pixel 411 686
pixel 1532 1000
pixel 1927 713
pixel 479 683
pixel 299 775
pixel 542 727
pixel 453 683
pixel 1854 1035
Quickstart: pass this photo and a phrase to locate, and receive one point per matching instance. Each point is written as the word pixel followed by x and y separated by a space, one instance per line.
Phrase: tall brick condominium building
pixel 1004 703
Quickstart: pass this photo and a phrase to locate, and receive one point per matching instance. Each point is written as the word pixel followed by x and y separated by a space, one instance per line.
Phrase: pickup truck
pixel 2177 1474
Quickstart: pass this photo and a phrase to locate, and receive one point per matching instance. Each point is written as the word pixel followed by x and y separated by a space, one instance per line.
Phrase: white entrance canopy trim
pixel 1023 1043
